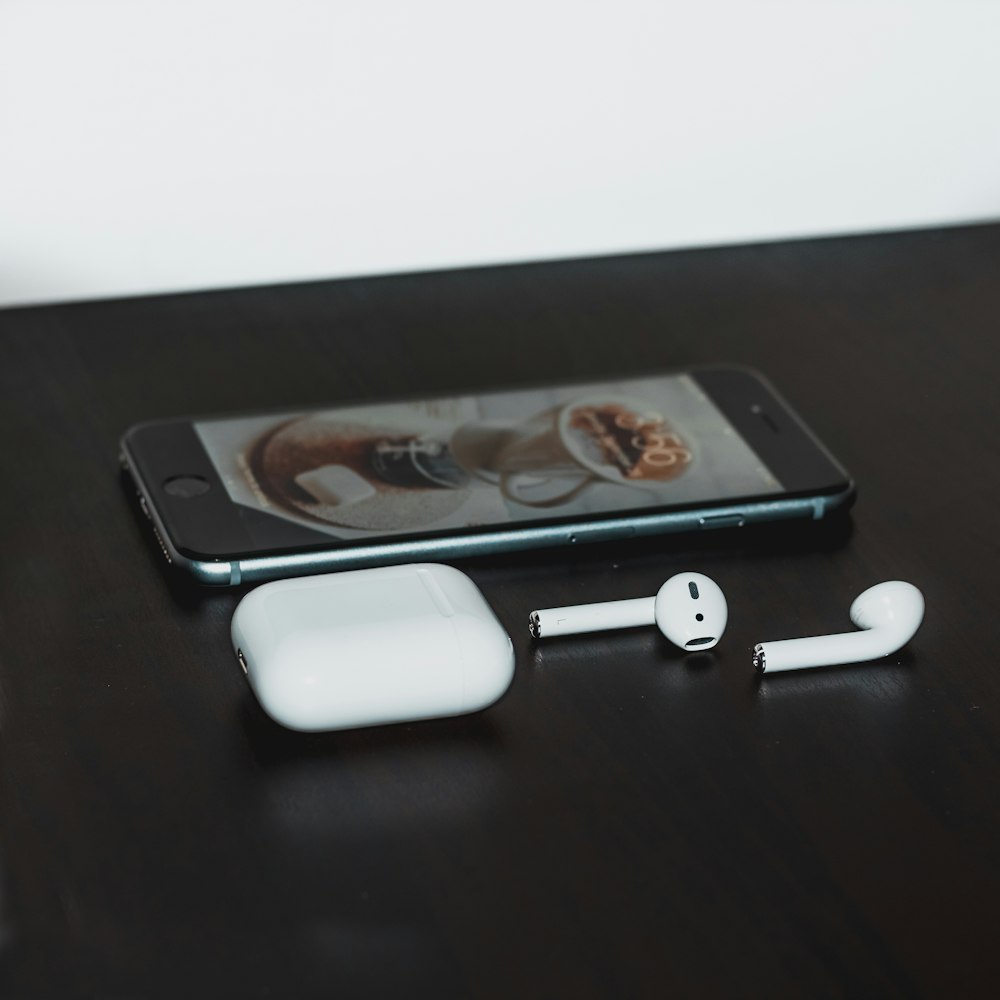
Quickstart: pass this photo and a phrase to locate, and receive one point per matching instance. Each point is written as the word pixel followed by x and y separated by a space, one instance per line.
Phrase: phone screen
pixel 489 460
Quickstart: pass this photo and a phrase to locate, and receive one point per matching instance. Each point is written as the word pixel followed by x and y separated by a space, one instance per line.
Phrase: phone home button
pixel 186 486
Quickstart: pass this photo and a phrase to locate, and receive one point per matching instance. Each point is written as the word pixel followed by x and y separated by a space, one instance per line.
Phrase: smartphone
pixel 256 497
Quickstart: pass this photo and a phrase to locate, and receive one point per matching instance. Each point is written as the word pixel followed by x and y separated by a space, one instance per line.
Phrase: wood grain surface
pixel 628 821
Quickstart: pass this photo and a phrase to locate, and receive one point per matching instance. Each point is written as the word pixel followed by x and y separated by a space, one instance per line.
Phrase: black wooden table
pixel 625 822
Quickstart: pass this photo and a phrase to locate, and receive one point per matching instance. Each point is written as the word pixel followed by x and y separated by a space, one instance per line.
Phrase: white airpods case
pixel 372 646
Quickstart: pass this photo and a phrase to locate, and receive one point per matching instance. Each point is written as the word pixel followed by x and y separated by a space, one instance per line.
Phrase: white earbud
pixel 689 609
pixel 889 613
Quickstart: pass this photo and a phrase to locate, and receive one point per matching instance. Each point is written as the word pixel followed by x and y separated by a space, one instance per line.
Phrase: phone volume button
pixel 722 521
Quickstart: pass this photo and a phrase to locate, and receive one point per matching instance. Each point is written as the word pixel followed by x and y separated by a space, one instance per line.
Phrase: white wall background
pixel 178 144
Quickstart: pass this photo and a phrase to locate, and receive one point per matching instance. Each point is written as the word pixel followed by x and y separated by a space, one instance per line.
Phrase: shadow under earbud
pixel 699 662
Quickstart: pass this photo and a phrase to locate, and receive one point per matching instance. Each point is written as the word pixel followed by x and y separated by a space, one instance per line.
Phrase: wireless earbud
pixel 889 613
pixel 689 609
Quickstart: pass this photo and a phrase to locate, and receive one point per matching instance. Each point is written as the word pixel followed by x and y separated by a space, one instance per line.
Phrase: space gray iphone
pixel 261 496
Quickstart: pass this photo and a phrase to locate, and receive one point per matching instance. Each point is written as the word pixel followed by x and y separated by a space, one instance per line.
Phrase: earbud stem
pixel 820 651
pixel 592 617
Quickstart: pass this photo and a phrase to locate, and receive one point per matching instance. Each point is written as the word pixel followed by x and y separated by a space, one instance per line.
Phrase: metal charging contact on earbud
pixel 535 625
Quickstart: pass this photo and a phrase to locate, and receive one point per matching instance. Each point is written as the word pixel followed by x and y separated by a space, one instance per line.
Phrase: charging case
pixel 371 646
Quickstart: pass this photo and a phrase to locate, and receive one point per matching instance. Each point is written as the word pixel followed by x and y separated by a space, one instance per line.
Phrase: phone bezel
pixel 213 528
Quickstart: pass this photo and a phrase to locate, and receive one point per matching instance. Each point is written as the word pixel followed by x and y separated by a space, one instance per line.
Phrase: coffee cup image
pixel 554 456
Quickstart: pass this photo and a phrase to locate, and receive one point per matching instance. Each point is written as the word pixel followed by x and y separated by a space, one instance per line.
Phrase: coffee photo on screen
pixel 494 459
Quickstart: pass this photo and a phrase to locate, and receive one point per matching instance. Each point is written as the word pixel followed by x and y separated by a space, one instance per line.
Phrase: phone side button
pixel 722 521
pixel 601 534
